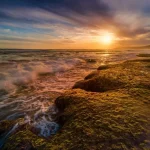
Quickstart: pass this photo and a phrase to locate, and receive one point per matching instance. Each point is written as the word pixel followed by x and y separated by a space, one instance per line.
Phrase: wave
pixel 28 72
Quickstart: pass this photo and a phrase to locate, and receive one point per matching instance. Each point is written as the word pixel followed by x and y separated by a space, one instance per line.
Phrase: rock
pixel 113 117
pixel 92 75
pixel 103 67
pixel 99 84
pixel 90 60
pixel 61 103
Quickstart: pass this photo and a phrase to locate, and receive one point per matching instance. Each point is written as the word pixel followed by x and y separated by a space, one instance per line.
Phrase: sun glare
pixel 107 39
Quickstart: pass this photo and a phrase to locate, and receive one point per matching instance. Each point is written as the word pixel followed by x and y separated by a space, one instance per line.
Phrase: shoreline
pixel 99 111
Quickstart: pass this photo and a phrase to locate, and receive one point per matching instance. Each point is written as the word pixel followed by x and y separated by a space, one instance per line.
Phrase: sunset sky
pixel 73 24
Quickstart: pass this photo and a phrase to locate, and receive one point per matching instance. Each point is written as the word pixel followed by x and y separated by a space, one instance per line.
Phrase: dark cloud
pixel 146 9
pixel 82 7
pixel 79 11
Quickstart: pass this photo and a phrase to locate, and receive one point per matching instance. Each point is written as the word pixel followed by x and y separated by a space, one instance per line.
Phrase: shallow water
pixel 30 80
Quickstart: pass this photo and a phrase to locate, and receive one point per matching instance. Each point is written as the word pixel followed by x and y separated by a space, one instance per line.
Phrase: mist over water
pixel 30 80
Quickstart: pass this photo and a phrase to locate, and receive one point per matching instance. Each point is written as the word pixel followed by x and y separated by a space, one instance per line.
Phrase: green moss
pixel 25 136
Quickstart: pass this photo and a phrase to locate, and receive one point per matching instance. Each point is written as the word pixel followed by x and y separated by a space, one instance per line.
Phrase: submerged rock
pixel 91 61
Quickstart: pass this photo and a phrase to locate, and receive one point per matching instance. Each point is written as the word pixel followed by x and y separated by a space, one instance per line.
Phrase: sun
pixel 107 39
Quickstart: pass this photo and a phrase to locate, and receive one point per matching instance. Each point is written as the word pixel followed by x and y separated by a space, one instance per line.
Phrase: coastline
pixel 108 110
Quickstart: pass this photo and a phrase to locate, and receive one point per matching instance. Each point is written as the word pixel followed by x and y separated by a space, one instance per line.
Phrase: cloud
pixel 75 19
pixel 81 12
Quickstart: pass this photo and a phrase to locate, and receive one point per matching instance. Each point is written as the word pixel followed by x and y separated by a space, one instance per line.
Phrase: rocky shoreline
pixel 108 110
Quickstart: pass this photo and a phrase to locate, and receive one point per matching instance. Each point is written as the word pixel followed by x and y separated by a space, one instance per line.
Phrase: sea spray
pixel 42 122
pixel 46 128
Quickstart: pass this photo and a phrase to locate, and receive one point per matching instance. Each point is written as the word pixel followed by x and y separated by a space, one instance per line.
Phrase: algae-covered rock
pixel 127 75
pixel 113 117
pixel 110 120
pixel 99 84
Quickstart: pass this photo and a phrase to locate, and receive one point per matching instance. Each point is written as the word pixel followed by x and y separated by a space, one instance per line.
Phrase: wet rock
pixel 98 84
pixel 103 67
pixel 91 75
pixel 62 119
pixel 61 103
pixel 91 61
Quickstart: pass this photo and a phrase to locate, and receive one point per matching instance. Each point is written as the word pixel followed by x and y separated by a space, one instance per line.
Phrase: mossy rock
pixel 110 120
pixel 130 74
pixel 99 84
pixel 113 117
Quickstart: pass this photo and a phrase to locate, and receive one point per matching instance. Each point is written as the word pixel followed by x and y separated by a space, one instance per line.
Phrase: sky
pixel 74 24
